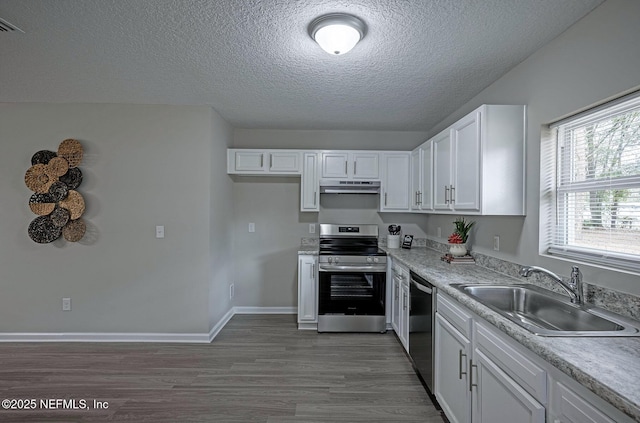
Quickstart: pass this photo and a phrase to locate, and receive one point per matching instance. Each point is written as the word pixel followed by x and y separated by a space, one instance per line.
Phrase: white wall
pixel 221 214
pixel 597 58
pixel 144 166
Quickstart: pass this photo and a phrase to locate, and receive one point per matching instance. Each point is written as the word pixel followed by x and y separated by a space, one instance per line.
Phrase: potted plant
pixel 459 237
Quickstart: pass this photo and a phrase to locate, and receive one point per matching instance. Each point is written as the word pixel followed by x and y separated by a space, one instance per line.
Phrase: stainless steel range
pixel 352 279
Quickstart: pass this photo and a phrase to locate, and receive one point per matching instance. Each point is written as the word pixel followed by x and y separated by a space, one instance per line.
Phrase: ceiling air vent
pixel 8 27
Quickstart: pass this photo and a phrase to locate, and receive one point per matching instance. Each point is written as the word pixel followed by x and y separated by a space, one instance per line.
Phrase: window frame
pixel 553 191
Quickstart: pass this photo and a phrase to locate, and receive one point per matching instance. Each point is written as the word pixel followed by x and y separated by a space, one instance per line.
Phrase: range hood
pixel 331 186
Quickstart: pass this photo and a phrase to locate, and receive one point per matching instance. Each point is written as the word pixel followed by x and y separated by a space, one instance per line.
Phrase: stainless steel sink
pixel 546 313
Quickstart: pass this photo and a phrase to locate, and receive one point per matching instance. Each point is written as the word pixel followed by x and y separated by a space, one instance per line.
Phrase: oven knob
pixel 330 259
pixel 375 259
pixel 336 260
pixel 369 260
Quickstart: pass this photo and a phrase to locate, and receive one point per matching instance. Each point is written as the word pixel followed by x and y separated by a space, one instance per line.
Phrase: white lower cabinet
pixel 451 385
pixel 307 292
pixel 498 398
pixel 400 304
pixel 484 376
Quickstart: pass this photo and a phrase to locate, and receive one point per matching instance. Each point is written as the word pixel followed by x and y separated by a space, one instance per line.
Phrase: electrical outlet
pixel 159 231
pixel 231 291
pixel 439 232
pixel 66 304
pixel 496 243
pixel 312 228
pixel 252 227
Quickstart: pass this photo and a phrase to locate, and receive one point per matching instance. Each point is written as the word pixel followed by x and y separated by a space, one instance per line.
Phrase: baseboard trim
pixel 187 338
pixel 265 310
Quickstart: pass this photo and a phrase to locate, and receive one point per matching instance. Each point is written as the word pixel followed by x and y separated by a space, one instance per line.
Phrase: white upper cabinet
pixel 350 165
pixel 309 183
pixel 478 163
pixel 394 195
pixel 421 191
pixel 264 162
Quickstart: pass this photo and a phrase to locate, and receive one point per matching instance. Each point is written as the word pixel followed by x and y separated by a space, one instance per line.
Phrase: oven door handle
pixel 422 288
pixel 334 268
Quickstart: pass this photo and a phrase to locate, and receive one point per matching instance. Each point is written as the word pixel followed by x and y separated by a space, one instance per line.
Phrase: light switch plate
pixel 159 231
pixel 496 243
pixel 312 228
pixel 252 227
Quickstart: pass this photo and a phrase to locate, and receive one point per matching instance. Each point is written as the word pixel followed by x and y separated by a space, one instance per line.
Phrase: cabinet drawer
pixel 459 318
pixel 528 374
pixel 571 408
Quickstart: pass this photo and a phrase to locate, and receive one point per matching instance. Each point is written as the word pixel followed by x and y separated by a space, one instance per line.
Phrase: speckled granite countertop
pixel 609 367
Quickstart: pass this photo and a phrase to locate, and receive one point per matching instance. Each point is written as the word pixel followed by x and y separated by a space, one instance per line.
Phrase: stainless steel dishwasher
pixel 421 327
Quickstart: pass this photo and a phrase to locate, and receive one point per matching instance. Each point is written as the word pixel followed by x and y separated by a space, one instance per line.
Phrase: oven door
pixel 352 290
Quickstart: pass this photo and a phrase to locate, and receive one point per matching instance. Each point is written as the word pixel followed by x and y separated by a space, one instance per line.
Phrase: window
pixel 596 186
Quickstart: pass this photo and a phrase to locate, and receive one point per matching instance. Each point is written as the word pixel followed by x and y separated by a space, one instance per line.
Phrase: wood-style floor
pixel 260 368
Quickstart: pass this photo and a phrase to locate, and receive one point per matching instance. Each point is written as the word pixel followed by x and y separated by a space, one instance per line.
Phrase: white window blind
pixel 597 216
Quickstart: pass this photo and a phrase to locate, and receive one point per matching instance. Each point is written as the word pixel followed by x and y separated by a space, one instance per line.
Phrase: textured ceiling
pixel 254 62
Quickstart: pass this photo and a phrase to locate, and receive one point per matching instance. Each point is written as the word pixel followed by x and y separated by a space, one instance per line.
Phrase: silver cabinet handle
pixel 313 270
pixel 471 367
pixel 420 197
pixel 385 198
pixel 262 160
pixel 354 168
pixel 346 168
pixel 315 195
pixel 404 301
pixel 453 197
pixel 446 194
pixel 460 372
pixel 270 161
pixel 416 199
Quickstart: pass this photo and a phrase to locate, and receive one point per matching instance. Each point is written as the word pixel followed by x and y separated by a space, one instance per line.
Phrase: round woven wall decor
pixel 74 203
pixel 73 178
pixel 71 150
pixel 58 191
pixel 56 167
pixel 74 230
pixel 42 230
pixel 54 177
pixel 41 204
pixel 42 157
pixel 60 216
pixel 37 180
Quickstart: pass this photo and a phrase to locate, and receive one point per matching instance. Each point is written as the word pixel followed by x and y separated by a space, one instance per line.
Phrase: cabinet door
pixel 249 161
pixel 365 166
pixel 426 191
pixel 569 407
pixel 442 157
pixel 307 290
pixel 334 165
pixel 309 188
pixel 498 398
pixel 395 304
pixel 416 178
pixel 404 316
pixel 284 162
pixel 465 136
pixel 451 385
pixel 395 182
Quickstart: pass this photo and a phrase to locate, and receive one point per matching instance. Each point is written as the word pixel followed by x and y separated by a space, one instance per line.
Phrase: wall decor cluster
pixel 54 177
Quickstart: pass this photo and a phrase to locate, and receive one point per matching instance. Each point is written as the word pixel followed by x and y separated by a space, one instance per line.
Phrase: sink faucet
pixel 573 288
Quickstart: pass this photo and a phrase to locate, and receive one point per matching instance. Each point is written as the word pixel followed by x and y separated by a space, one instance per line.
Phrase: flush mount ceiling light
pixel 337 33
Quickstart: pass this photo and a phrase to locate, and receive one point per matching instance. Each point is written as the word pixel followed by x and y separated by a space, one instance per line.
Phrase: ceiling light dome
pixel 337 33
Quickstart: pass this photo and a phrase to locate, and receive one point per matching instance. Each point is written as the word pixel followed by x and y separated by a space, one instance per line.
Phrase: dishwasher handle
pixel 422 288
